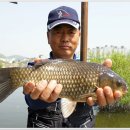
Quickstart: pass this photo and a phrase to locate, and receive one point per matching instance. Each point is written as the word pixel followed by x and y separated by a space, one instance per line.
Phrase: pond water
pixel 13 111
pixel 113 120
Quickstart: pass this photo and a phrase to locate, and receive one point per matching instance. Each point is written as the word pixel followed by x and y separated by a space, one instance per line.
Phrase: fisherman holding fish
pixel 42 98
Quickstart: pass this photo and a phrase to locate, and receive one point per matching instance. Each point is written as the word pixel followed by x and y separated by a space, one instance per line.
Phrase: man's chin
pixel 66 55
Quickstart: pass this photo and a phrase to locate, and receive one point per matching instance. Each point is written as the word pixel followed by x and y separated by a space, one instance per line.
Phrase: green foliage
pixel 1 65
pixel 120 65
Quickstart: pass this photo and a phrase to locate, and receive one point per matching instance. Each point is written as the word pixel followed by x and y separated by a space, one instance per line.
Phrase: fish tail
pixel 5 84
pixel 11 79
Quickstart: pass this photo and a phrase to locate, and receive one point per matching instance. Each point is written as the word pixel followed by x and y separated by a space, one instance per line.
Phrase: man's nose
pixel 64 37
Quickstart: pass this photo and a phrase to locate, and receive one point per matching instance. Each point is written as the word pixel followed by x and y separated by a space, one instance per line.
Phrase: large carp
pixel 79 79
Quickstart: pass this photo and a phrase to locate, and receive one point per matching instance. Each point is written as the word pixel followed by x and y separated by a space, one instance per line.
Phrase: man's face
pixel 63 40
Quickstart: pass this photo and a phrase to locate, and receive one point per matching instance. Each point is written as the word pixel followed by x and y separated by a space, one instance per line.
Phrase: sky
pixel 23 26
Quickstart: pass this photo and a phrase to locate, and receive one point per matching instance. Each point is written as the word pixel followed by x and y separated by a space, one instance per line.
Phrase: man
pixel 42 98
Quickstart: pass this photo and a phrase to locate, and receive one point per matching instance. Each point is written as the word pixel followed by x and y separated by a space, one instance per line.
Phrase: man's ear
pixel 79 33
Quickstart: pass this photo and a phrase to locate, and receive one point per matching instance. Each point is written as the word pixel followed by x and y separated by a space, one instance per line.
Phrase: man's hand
pixel 105 96
pixel 48 92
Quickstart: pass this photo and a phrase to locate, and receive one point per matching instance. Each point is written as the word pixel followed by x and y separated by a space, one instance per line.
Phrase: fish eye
pixel 119 83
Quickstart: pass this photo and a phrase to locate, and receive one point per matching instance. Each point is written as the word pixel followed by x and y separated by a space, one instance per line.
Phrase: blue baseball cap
pixel 63 15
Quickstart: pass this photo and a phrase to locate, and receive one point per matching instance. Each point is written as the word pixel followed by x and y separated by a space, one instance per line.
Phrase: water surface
pixel 113 120
pixel 13 111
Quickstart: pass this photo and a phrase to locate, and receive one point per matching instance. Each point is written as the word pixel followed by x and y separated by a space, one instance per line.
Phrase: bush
pixel 120 65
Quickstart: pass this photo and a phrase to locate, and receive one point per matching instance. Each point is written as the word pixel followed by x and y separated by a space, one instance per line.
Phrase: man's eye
pixel 57 31
pixel 72 32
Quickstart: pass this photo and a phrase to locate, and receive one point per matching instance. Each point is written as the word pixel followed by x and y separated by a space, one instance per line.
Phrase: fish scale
pixel 79 79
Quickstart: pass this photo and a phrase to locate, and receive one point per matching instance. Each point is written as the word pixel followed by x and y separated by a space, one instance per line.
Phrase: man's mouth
pixel 66 47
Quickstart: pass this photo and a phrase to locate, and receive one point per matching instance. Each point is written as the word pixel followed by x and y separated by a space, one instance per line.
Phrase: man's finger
pixel 108 94
pixel 55 93
pixel 48 90
pixel 38 60
pixel 90 101
pixel 117 95
pixel 28 87
pixel 39 87
pixel 108 63
pixel 101 97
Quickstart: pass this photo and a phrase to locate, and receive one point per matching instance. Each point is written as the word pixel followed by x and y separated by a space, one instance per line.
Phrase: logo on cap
pixel 62 13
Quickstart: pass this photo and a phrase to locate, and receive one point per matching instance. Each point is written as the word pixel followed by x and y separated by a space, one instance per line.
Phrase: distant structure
pixel 14 2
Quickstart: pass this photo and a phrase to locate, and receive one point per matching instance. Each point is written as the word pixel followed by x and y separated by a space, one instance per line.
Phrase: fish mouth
pixel 124 89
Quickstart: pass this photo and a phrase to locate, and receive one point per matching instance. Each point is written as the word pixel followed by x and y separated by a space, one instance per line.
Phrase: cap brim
pixel 63 21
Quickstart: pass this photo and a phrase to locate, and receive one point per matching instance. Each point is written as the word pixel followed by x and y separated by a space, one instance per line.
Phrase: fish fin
pixel 84 96
pixel 67 107
pixel 5 84
pixel 39 64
